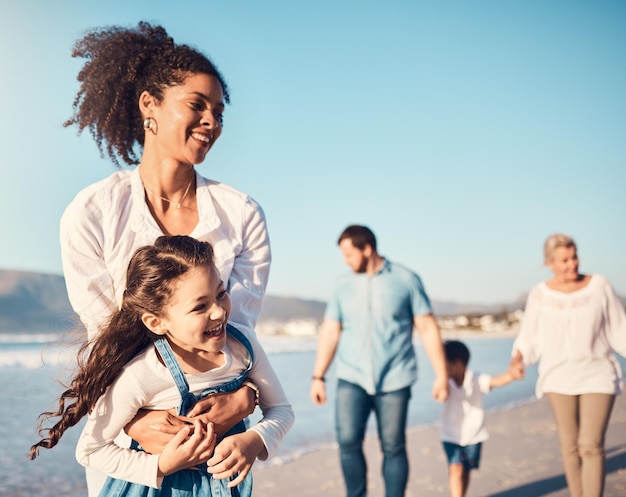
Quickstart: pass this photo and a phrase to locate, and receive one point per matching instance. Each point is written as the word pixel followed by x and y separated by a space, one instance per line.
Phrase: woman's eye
pixel 220 118
pixel 196 106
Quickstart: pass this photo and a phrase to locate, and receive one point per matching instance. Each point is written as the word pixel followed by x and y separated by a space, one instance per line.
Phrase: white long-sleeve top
pixel 463 416
pixel 573 336
pixel 109 220
pixel 145 383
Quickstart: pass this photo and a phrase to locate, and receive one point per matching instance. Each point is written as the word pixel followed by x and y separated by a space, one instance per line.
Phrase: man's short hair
pixel 359 235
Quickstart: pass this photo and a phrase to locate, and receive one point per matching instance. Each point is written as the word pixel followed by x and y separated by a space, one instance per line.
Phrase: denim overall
pixel 189 482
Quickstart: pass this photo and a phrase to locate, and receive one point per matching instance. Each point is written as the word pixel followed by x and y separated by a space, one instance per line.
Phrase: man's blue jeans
pixel 352 411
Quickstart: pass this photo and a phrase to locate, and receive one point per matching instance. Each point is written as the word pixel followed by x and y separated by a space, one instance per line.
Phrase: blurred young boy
pixel 463 420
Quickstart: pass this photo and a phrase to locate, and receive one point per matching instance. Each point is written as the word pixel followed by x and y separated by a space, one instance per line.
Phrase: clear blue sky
pixel 462 133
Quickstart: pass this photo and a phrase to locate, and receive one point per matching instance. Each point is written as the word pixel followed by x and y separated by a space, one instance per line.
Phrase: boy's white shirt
pixel 463 417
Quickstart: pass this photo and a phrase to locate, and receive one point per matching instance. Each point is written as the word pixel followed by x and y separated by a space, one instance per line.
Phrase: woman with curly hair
pixel 151 102
pixel 169 344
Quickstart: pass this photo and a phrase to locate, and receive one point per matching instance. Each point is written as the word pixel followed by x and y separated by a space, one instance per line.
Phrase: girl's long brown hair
pixel 152 273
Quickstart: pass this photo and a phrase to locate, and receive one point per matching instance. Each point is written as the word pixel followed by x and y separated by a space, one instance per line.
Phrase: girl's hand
pixel 191 446
pixel 236 454
pixel 225 410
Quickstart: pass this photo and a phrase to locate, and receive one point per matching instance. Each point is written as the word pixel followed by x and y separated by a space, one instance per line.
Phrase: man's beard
pixel 362 268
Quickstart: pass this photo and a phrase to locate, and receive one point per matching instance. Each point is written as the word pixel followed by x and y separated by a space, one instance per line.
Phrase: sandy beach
pixel 521 459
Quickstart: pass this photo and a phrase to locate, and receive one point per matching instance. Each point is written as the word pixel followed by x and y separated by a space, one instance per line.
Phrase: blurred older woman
pixel 572 325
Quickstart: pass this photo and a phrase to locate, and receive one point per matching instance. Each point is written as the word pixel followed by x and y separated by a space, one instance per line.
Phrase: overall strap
pixel 240 337
pixel 164 349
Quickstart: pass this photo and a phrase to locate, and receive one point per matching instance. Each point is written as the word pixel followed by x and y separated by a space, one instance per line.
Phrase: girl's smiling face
pixel 188 119
pixel 195 318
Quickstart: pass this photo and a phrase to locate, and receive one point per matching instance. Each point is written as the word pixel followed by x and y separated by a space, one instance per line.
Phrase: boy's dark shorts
pixel 468 455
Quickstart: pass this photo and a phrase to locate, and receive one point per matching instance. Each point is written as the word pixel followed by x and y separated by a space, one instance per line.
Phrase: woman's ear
pixel 154 323
pixel 146 104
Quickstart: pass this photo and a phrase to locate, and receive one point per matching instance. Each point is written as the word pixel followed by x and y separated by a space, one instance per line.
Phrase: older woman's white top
pixel 574 336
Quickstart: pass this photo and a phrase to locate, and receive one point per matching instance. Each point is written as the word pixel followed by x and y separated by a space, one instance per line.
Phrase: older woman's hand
pixel 516 366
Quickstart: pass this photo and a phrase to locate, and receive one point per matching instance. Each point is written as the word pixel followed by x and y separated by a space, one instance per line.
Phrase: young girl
pixel 167 346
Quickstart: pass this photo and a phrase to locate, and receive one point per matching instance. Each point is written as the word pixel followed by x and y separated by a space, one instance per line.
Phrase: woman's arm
pixel 527 345
pixel 249 275
pixel 153 430
pixel 615 321
pixel 96 448
pixel 90 288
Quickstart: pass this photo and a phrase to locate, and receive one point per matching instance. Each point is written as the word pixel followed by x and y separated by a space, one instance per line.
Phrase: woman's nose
pixel 210 120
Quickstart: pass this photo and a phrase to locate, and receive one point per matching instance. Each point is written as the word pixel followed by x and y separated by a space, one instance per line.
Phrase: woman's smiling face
pixel 188 119
pixel 564 264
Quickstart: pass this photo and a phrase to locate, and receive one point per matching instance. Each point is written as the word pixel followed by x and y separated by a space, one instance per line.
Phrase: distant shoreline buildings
pixel 504 322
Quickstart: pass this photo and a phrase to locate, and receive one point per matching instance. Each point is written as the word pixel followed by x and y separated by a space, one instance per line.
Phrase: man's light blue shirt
pixel 376 314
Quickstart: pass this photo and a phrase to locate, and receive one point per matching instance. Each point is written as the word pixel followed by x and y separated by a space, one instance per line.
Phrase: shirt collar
pixel 142 219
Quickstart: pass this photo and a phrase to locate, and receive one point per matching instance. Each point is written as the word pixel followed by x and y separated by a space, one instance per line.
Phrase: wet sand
pixel 521 459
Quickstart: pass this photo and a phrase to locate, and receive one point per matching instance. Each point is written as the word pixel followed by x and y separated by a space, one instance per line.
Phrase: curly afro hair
pixel 121 63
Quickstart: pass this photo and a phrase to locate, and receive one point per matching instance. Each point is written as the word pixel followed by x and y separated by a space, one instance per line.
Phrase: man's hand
pixel 440 389
pixel 318 392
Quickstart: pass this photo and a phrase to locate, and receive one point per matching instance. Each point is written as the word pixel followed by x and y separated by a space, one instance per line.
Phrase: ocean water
pixel 30 368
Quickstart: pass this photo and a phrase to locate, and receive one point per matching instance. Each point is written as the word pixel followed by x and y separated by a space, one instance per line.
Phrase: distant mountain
pixel 35 303
pixel 283 309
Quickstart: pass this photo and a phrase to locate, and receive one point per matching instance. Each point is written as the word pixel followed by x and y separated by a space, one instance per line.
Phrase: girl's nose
pixel 217 313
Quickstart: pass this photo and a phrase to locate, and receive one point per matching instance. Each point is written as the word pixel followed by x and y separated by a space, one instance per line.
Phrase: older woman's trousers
pixel 581 422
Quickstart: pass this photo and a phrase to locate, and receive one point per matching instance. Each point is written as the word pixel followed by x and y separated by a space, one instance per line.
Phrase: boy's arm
pixel 515 372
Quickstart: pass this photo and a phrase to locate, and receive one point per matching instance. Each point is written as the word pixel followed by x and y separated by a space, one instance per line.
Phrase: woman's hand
pixel 225 410
pixel 236 454
pixel 191 446
pixel 516 366
pixel 153 430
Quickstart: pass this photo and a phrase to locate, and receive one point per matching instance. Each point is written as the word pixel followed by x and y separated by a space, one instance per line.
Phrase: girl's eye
pixel 196 106
pixel 222 295
pixel 199 308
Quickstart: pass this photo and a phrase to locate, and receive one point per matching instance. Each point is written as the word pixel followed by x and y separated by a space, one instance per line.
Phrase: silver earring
pixel 150 124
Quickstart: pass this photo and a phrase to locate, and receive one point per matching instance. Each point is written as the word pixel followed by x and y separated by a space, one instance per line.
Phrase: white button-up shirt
pixel 109 220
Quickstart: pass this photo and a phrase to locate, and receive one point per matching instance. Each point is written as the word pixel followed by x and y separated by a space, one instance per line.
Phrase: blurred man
pixel 369 322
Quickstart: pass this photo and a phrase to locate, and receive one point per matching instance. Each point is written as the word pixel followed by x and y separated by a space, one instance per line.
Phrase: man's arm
pixel 328 340
pixel 154 429
pixel 430 336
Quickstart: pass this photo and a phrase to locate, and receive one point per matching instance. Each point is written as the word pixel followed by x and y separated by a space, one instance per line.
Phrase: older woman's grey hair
pixel 555 241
